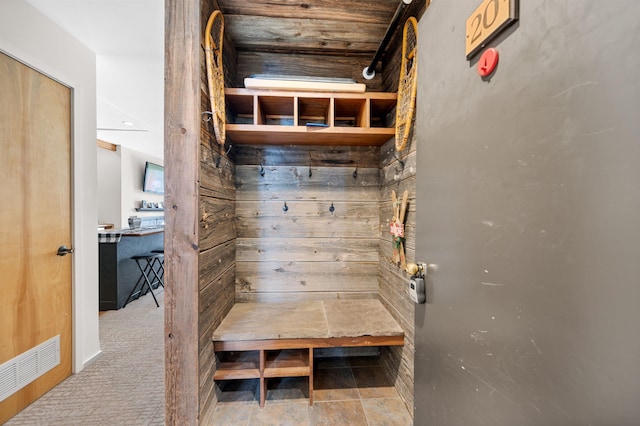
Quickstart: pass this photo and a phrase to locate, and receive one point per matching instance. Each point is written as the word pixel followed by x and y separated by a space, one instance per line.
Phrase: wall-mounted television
pixel 153 178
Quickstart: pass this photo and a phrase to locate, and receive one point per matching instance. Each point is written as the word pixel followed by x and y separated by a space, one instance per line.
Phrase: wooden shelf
pixel 287 363
pixel 239 365
pixel 309 118
pixel 265 364
pixel 146 209
pixel 236 371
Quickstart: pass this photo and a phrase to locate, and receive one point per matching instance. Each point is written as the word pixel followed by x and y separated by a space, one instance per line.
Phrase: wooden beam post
pixel 182 141
pixel 107 145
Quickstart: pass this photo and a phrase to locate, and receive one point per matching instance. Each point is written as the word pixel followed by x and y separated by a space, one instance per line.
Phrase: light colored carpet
pixel 122 386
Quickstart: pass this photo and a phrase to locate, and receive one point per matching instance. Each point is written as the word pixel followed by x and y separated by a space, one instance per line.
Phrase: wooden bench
pixel 269 340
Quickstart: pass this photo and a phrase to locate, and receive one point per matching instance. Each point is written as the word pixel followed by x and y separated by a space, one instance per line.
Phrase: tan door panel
pixel 35 219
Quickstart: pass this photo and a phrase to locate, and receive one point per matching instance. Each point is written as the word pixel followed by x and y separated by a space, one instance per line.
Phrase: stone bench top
pixel 314 319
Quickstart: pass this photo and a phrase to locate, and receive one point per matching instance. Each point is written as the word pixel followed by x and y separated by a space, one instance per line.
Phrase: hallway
pixel 122 386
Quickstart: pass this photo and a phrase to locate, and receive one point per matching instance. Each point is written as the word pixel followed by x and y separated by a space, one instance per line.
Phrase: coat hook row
pixel 285 208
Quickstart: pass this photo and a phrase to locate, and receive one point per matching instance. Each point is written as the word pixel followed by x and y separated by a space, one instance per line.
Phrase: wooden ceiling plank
pixel 355 11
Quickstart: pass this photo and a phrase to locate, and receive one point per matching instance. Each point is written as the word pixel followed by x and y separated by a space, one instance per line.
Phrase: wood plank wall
pixel 216 228
pixel 399 360
pixel 306 252
pixel 393 55
pixel 246 241
pixel 312 65
pixel 340 52
pixel 394 294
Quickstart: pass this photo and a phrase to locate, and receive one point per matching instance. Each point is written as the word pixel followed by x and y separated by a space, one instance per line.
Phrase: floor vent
pixel 28 366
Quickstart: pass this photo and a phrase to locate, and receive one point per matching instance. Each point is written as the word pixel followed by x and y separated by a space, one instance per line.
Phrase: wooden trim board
pixel 107 145
pixel 330 342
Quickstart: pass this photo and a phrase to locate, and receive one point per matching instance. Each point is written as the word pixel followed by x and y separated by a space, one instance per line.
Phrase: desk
pixel 117 272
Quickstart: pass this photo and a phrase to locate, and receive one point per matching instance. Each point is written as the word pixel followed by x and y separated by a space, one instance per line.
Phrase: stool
pixel 160 263
pixel 146 264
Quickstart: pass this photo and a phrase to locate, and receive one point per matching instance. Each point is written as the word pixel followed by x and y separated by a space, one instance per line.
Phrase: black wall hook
pixel 261 164
pixel 220 157
pixel 310 174
pixel 395 155
pixel 355 173
pixel 332 209
pixel 285 208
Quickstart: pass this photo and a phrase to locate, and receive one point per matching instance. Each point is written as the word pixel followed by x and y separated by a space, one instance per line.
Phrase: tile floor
pixel 347 391
pixel 125 386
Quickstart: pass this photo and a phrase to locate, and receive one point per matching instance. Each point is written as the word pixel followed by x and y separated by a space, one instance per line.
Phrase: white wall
pixel 109 184
pixel 120 178
pixel 132 168
pixel 33 39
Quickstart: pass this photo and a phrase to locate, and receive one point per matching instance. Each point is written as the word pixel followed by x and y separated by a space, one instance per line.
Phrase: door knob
pixel 63 251
pixel 420 269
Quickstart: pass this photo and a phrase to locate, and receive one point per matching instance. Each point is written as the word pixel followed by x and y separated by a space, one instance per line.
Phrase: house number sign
pixel 487 21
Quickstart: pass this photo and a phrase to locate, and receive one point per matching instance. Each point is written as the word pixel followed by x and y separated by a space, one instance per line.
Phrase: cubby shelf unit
pixel 315 118
pixel 267 364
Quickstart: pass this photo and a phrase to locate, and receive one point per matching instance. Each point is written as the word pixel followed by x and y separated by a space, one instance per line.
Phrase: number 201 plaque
pixel 487 21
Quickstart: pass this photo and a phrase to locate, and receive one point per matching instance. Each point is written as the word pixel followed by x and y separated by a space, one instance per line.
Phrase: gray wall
pixel 528 201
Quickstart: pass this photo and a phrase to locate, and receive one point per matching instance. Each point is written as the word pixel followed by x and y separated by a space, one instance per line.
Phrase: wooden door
pixel 35 219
